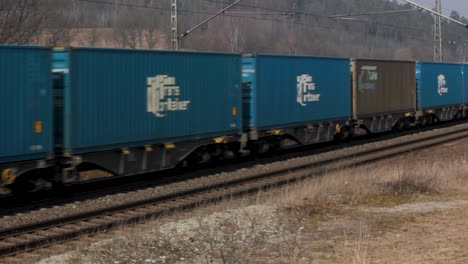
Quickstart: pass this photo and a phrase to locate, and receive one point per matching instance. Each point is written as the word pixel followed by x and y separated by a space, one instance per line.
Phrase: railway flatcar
pixel 306 99
pixel 136 111
pixel 440 91
pixel 26 134
pixel 129 112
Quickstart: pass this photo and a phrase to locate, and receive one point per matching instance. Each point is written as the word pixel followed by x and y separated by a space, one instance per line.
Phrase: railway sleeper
pixel 257 184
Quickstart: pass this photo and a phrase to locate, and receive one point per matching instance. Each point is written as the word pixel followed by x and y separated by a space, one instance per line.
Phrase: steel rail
pixel 43 234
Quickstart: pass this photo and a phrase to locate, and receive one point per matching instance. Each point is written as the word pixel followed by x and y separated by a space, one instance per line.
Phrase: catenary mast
pixel 438 53
pixel 174 26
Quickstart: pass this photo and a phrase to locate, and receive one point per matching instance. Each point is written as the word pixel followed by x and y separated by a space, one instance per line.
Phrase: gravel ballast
pixel 118 199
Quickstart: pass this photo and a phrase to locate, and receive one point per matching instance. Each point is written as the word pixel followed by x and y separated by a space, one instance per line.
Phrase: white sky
pixel 461 6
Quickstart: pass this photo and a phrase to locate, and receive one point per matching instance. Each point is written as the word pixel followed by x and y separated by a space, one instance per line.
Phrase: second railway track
pixel 29 237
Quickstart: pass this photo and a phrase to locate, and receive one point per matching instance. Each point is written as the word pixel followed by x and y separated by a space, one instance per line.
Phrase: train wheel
pixel 399 126
pixel 263 147
pixel 406 124
pixel 423 122
pixel 345 134
pixel 21 186
pixel 430 120
pixel 27 184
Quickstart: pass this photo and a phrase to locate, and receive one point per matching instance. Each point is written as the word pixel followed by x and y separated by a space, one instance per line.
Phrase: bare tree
pixel 127 37
pixel 93 37
pixel 21 21
pixel 59 29
pixel 58 36
pixel 151 37
pixel 119 38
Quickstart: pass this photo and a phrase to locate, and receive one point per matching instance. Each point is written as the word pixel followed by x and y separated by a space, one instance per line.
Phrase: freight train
pixel 64 111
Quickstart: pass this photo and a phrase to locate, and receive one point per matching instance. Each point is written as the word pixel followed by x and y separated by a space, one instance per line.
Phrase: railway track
pixel 44 234
pixel 11 204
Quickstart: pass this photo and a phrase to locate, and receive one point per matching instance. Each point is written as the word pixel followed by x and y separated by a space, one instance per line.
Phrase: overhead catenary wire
pixel 247 17
pixel 271 9
pixel 299 13
pixel 260 13
pixel 437 14
pixel 199 12
pixel 306 26
pixel 376 13
pixel 187 32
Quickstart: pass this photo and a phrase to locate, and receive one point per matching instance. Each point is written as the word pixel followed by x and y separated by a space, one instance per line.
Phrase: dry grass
pixel 360 252
pixel 321 220
pixel 414 177
pixel 386 183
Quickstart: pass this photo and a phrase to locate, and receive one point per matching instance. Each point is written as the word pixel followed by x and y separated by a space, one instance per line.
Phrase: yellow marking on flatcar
pixel 148 148
pixel 8 176
pixel 338 128
pixel 234 111
pixel 38 127
pixel 276 132
pixel 169 146
pixel 219 140
pixel 125 151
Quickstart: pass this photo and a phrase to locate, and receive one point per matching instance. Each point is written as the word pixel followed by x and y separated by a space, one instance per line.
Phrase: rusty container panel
pixel 383 87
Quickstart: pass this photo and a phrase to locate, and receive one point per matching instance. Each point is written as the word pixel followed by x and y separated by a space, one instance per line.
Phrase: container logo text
pixel 36 147
pixel 163 96
pixel 442 82
pixel 368 78
pixel 305 88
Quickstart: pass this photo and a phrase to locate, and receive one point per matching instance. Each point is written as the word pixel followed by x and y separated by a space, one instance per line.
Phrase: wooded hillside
pixel 269 27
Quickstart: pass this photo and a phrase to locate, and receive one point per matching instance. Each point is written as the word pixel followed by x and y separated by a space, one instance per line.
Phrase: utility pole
pixel 437 12
pixel 438 52
pixel 174 26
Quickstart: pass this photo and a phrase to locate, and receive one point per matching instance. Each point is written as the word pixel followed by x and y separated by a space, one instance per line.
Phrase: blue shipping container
pixel 26 107
pixel 123 98
pixel 439 84
pixel 291 90
pixel 465 84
